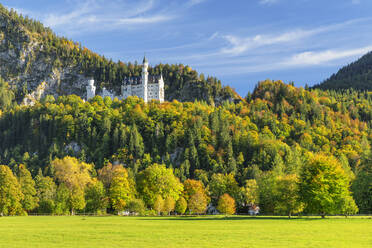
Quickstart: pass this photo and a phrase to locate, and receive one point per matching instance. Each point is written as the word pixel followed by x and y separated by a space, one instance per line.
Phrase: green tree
pixel 46 192
pixel 348 206
pixel 136 206
pixel 62 204
pixel 251 192
pixel 95 197
pixel 267 194
pixel 10 193
pixel 287 197
pixel 158 180
pixel 226 204
pixel 30 199
pixel 362 187
pixel 181 205
pixel 223 184
pixel 6 95
pixel 323 184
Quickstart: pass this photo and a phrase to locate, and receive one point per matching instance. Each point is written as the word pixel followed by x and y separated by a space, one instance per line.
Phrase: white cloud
pixel 79 16
pixel 96 15
pixel 94 12
pixel 144 20
pixel 268 2
pixel 191 3
pixel 322 57
pixel 355 1
pixel 238 45
pixel 300 60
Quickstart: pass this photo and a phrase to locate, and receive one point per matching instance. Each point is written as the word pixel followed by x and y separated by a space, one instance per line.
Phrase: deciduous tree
pixel 121 190
pixel 181 205
pixel 169 204
pixel 158 180
pixel 75 175
pixel 30 200
pixel 158 204
pixel 288 199
pixel 226 204
pixel 10 193
pixel 323 184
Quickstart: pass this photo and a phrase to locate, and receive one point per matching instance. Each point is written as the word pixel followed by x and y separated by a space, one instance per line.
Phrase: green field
pixel 237 231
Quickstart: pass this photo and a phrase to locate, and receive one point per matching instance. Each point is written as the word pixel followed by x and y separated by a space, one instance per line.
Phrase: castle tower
pixel 145 78
pixel 91 89
pixel 161 88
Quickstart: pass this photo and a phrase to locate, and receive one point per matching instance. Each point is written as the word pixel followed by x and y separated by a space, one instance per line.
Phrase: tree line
pixel 75 186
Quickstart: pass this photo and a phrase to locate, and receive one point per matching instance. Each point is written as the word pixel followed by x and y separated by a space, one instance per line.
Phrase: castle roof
pixel 145 60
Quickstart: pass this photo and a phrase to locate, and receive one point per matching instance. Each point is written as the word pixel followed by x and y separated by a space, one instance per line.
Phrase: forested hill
pixel 357 75
pixel 274 133
pixel 37 62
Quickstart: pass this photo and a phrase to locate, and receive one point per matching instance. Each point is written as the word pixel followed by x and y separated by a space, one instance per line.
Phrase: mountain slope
pixel 357 75
pixel 33 58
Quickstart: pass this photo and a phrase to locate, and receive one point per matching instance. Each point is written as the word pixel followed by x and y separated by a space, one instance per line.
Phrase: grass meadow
pixel 209 231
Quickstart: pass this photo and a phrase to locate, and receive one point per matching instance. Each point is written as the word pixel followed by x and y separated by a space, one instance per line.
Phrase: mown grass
pixel 210 231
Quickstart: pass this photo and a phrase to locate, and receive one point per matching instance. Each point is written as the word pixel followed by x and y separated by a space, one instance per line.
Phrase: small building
pixel 254 210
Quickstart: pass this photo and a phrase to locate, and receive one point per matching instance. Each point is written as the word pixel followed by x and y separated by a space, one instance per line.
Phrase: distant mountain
pixel 36 62
pixel 357 75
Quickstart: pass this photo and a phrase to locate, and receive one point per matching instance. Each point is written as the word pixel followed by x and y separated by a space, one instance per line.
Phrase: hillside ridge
pixel 357 75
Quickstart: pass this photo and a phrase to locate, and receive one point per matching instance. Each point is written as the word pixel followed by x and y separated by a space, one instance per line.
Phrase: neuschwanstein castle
pixel 148 87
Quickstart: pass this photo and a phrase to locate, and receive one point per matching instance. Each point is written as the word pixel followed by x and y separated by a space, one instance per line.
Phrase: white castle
pixel 147 87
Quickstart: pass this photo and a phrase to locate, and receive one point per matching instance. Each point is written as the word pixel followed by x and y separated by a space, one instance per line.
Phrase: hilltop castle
pixel 148 87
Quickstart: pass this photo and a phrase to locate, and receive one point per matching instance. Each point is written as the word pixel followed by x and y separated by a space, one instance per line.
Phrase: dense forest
pixel 259 145
pixel 357 75
pixel 31 54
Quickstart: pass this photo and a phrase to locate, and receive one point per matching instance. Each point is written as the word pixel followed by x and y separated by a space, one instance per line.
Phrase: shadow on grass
pixel 233 218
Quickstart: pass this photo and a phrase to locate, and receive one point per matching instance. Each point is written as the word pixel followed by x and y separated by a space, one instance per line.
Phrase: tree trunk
pixel 323 216
pixel 289 215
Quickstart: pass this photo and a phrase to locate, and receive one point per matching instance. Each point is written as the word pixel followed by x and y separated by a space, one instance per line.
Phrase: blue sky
pixel 239 41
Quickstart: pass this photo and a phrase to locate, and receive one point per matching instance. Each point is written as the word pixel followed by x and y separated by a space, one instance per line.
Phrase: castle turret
pixel 91 89
pixel 145 79
pixel 161 88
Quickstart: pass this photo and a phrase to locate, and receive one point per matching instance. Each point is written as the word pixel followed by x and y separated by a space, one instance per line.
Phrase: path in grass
pixel 184 232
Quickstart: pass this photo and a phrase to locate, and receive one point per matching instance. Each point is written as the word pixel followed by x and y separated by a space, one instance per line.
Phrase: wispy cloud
pixel 79 16
pixel 191 3
pixel 355 1
pixel 268 2
pixel 238 45
pixel 321 57
pixel 97 15
pixel 297 60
